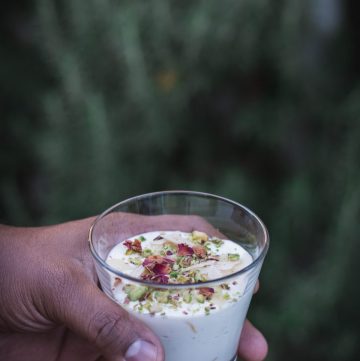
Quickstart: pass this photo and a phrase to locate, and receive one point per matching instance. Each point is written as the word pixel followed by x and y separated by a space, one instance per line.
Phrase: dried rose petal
pixel 137 246
pixel 153 260
pixel 156 259
pixel 184 250
pixel 161 269
pixel 200 251
pixel 160 278
pixel 127 243
pixel 146 275
pixel 185 261
pixel 133 246
pixel 156 266
pixel 207 292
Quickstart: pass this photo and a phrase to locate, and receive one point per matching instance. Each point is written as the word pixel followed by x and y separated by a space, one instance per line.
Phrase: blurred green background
pixel 255 100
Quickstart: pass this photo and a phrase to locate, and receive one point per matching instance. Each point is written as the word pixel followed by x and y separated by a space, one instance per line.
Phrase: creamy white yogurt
pixel 202 324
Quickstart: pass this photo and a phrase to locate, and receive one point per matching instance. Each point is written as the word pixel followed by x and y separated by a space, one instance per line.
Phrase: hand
pixel 51 307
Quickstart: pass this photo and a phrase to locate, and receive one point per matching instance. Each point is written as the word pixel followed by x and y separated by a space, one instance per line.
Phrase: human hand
pixel 51 307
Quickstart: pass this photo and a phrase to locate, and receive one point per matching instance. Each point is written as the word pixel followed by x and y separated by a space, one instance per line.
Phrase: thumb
pixel 117 334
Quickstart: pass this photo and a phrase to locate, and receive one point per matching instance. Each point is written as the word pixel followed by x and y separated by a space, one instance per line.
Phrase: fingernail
pixel 141 351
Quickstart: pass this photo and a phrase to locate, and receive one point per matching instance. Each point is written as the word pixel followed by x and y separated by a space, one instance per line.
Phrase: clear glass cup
pixel 206 336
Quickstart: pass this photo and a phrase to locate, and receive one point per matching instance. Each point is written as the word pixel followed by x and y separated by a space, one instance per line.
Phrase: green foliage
pixel 248 99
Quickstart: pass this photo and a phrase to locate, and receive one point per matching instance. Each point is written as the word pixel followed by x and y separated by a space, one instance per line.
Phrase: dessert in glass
pixel 186 264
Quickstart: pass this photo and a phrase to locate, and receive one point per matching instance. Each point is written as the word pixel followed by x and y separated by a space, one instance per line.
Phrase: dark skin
pixel 51 306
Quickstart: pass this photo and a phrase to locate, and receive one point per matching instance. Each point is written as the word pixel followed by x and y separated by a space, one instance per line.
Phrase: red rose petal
pixel 133 246
pixel 127 243
pixel 184 250
pixel 161 269
pixel 160 278
pixel 156 260
pixel 200 251
pixel 137 246
pixel 206 291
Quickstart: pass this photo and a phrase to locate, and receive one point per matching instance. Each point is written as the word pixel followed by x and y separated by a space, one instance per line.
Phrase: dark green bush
pixel 254 100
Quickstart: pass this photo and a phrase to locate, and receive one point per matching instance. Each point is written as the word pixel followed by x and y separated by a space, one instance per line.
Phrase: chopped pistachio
pixel 162 296
pixel 217 242
pixel 226 296
pixel 135 292
pixel 198 276
pixel 146 252
pixel 199 237
pixel 170 246
pixel 187 297
pixel 147 305
pixel 182 279
pixel 181 268
pixel 127 288
pixel 200 298
pixel 135 260
pixel 173 274
pixel 233 256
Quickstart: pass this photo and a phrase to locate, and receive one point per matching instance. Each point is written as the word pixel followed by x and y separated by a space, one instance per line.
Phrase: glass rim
pixel 244 270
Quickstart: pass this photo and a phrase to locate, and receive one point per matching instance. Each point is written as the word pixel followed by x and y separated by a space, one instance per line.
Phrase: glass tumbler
pixel 211 331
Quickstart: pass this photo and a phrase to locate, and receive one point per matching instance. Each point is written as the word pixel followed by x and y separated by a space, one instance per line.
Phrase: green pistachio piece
pixel 226 296
pixel 146 252
pixel 127 288
pixel 161 296
pixel 187 297
pixel 217 242
pixel 200 298
pixel 173 274
pixel 135 260
pixel 137 292
pixel 199 237
pixel 198 276
pixel 233 256
pixel 182 279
